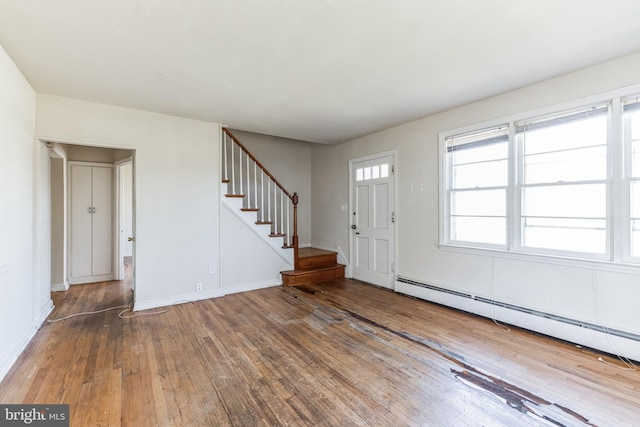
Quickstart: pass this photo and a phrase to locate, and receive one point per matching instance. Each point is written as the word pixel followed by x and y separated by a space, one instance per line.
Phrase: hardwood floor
pixel 335 354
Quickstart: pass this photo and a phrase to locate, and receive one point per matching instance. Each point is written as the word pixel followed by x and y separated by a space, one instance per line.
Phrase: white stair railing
pixel 261 191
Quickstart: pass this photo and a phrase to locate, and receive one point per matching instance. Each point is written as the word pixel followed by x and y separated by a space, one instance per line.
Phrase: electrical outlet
pixel 212 269
pixel 199 287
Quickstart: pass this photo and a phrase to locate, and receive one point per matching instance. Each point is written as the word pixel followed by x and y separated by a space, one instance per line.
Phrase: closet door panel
pixel 81 228
pixel 102 247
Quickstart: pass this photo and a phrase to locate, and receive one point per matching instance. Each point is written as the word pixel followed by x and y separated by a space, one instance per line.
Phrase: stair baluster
pixel 255 184
pixel 224 158
pixel 240 163
pixel 269 201
pixel 262 196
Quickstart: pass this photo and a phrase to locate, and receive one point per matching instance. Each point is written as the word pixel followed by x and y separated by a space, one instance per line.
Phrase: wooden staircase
pixel 262 194
pixel 314 266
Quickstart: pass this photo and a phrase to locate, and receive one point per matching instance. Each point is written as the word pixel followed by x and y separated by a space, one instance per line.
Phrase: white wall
pixel 177 189
pixel 590 294
pixel 289 160
pixel 247 261
pixel 25 300
pixel 80 153
pixel 41 229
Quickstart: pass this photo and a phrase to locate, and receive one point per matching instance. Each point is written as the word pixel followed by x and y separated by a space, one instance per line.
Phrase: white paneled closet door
pixel 90 227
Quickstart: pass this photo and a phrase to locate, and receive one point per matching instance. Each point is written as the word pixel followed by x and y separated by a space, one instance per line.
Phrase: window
pixel 631 130
pixel 372 172
pixel 477 194
pixel 563 181
pixel 549 184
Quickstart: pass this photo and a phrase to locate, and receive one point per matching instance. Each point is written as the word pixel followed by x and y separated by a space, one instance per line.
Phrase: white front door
pixel 372 222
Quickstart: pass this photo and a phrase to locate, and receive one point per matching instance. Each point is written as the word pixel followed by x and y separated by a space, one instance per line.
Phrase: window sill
pixel 598 264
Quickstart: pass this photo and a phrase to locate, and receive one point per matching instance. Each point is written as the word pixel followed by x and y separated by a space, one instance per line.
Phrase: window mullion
pixel 445 192
pixel 565 150
pixel 516 179
pixel 497 187
pixel 513 197
pixel 617 221
pixel 562 183
pixel 626 182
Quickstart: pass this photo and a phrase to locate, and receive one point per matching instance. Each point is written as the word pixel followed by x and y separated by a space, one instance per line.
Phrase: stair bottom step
pixel 311 276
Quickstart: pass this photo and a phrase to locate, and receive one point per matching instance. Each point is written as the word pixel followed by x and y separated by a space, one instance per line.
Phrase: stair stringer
pixel 234 205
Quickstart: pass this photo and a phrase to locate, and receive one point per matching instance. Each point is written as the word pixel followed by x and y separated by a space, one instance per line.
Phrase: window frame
pixel 617 186
pixel 627 178
pixel 448 171
pixel 520 185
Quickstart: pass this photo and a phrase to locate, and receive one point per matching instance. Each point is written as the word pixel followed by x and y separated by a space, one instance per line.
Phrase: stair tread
pixel 249 209
pixel 313 252
pixel 234 195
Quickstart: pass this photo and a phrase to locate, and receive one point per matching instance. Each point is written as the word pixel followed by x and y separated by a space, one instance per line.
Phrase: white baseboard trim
pixel 45 311
pixel 323 247
pixel 199 296
pixel 178 299
pixel 25 338
pixel 342 258
pixel 252 286
pixel 91 279
pixel 10 358
pixel 60 287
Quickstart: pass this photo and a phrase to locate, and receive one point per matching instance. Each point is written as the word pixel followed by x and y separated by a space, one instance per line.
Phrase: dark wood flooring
pixel 341 353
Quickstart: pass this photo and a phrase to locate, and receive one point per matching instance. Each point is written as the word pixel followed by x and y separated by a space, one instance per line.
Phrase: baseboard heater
pixel 567 320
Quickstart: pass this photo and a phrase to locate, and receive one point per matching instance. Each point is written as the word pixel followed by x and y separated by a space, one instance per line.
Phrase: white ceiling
pixel 317 70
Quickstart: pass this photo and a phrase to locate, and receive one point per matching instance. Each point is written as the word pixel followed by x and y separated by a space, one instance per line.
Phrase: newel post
pixel 296 263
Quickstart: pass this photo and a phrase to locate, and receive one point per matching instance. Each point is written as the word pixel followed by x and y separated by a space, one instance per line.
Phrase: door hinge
pixel 393 217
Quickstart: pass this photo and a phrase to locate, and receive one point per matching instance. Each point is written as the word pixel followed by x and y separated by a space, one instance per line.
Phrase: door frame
pixel 119 214
pixel 42 194
pixel 61 222
pixel 394 155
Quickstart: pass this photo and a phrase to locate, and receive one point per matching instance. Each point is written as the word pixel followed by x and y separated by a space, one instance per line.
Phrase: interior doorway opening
pixel 118 239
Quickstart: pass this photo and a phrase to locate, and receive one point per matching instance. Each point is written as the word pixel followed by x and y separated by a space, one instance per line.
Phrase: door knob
pixel 131 239
pixel 353 227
